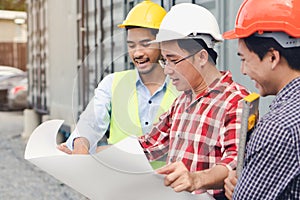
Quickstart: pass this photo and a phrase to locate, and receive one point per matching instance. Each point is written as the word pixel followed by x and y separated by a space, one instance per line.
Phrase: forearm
pixel 212 178
pixel 91 125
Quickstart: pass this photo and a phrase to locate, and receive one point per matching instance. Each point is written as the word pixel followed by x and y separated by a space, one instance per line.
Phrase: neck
pixel 154 79
pixel 201 88
pixel 287 78
pixel 209 74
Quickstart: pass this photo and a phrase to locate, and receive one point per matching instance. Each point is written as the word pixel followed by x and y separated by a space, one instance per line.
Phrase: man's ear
pixel 274 58
pixel 203 56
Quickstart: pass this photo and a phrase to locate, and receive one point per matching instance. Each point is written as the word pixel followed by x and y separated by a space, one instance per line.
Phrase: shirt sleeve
pixel 156 143
pixel 271 163
pixel 95 120
pixel 229 137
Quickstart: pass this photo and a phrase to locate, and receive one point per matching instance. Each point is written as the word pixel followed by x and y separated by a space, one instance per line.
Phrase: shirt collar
pixel 286 93
pixel 220 84
pixel 140 82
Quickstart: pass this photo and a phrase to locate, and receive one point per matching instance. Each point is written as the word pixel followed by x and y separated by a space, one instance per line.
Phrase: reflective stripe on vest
pixel 125 119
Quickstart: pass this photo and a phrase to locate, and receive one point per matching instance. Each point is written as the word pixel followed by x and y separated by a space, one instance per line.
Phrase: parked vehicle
pixel 13 88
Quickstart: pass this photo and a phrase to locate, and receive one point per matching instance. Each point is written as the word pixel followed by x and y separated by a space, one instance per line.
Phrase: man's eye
pixel 145 44
pixel 131 46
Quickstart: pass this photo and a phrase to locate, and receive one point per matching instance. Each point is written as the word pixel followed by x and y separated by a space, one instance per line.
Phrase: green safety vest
pixel 125 119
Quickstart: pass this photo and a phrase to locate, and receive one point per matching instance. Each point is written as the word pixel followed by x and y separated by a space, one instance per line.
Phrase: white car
pixel 13 88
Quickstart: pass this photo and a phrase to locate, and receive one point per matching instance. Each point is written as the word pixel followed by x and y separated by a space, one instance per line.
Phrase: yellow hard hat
pixel 145 14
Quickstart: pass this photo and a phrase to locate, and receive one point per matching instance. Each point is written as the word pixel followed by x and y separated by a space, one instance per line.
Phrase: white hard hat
pixel 189 21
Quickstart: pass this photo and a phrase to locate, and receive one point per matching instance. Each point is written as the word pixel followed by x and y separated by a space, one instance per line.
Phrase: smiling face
pixel 184 74
pixel 144 56
pixel 260 71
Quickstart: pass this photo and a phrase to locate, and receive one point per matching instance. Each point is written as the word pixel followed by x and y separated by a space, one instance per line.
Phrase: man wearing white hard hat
pixel 200 130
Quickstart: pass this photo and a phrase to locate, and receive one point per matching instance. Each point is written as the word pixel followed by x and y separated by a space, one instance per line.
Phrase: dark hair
pixel 194 45
pixel 261 46
pixel 152 30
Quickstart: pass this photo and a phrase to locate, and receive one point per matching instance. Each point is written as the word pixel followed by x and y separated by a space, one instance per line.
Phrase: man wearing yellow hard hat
pixel 128 102
pixel 268 34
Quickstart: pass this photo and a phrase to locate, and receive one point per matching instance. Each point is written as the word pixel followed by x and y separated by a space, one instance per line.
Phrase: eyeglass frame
pixel 163 63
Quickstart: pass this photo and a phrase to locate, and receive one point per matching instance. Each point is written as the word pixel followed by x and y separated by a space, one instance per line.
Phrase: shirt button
pixel 146 123
pixel 149 101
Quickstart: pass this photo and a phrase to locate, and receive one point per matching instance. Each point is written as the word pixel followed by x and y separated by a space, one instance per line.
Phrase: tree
pixel 15 5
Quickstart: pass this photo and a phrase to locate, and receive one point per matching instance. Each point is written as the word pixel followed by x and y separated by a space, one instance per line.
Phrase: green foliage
pixel 15 5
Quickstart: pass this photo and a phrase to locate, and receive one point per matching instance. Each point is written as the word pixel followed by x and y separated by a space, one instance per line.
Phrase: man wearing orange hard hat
pixel 268 34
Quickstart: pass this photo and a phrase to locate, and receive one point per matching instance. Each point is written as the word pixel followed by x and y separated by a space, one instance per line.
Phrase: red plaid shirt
pixel 200 132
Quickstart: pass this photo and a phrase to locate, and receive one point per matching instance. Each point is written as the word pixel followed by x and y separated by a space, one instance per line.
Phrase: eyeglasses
pixel 163 63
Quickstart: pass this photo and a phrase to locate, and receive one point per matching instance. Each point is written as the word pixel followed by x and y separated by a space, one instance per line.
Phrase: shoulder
pixel 233 91
pixel 270 134
pixel 234 94
pixel 125 72
pixel 106 81
pixel 286 113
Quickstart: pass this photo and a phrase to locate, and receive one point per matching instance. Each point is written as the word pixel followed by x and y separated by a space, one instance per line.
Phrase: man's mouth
pixel 141 61
pixel 174 80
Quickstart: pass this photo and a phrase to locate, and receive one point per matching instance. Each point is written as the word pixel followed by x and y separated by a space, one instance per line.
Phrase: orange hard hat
pixel 266 15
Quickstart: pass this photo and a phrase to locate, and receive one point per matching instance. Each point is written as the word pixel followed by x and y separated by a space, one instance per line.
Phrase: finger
pixel 229 186
pixel 101 148
pixel 228 195
pixel 176 177
pixel 234 181
pixel 165 169
pixel 228 189
pixel 62 147
pixel 179 188
pixel 180 185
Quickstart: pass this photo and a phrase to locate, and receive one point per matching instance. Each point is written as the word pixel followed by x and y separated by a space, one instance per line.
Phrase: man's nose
pixel 242 68
pixel 138 52
pixel 168 70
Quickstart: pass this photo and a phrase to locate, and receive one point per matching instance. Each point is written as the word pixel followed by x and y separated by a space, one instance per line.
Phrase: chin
pixel 181 89
pixel 262 92
pixel 145 70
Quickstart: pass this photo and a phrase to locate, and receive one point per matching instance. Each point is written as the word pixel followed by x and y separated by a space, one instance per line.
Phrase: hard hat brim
pixel 231 35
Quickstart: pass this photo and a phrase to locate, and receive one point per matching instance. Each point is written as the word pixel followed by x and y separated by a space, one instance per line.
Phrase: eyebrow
pixel 170 56
pixel 141 41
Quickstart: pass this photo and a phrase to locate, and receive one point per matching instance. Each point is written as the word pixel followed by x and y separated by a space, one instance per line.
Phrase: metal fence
pixel 38 56
pixel 13 54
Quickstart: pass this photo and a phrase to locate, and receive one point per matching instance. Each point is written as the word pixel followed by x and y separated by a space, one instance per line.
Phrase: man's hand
pixel 230 183
pixel 63 147
pixel 101 148
pixel 178 177
pixel 80 146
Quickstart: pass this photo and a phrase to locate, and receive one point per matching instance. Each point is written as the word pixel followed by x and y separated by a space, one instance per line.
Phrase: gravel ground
pixel 19 179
